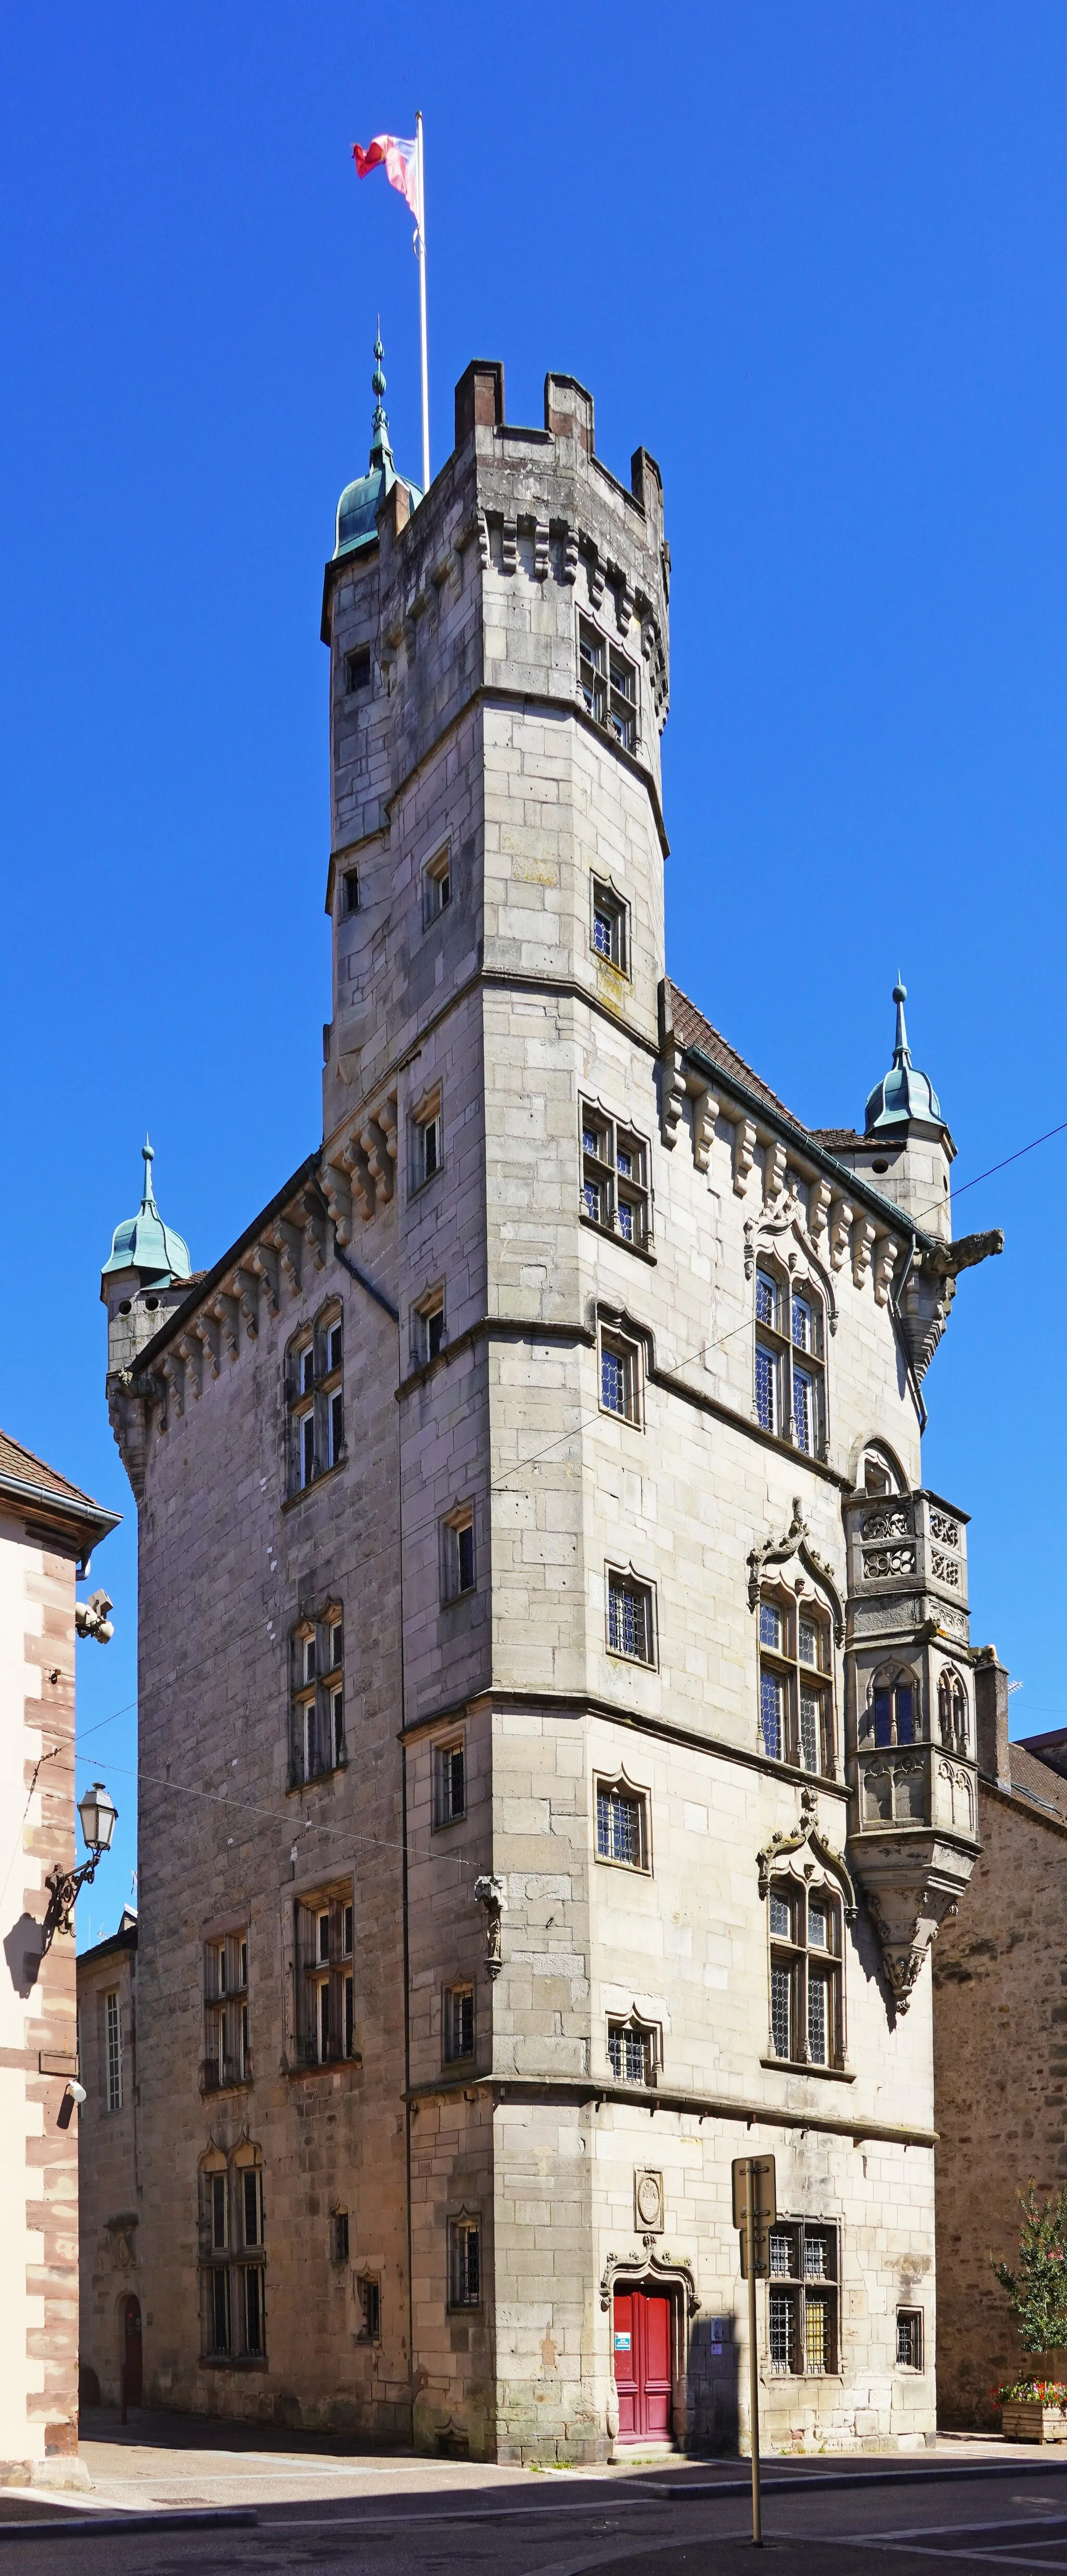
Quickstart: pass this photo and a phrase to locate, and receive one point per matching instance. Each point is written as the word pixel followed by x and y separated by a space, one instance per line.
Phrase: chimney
pixel 479 398
pixel 991 1717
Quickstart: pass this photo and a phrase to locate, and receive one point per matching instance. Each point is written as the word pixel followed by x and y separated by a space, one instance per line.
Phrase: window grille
pixel 909 2338
pixel 615 1192
pixel 802 2311
pixel 464 2264
pixel 450 1784
pixel 795 1685
pixel 113 2025
pixel 632 2052
pixel 629 1618
pixel 370 2302
pixel 806 2006
pixel 620 1819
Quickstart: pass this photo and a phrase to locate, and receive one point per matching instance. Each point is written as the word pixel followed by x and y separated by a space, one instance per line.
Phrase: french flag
pixel 399 160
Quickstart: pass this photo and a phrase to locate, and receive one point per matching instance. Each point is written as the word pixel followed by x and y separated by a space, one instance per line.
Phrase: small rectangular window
pixel 337 1428
pixel 307 1449
pixel 909 2338
pixel 766 1388
pixel 450 1784
pixel 357 670
pixel 772 1714
pixel 337 1725
pixel 458 2023
pixel 632 2052
pixel 464 2263
pixel 608 683
pixel 429 1326
pixel 619 1377
pixel 437 887
pixel 334 1348
pixel 620 1825
pixel 425 1146
pixel 251 2206
pixel 350 890
pixel 340 2236
pixel 306 1368
pixel 614 1185
pixel 220 2308
pixel 609 930
pixel 370 2304
pixel 630 1618
pixel 459 1553
pixel 218 2213
pixel 113 2020
pixel 336 1634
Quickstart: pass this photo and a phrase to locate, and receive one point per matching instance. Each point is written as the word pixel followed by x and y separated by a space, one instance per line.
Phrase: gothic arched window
pixel 952 1711
pixel 894 1710
pixel 790 1393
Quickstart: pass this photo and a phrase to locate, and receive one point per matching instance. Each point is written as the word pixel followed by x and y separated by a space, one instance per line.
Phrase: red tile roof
pixel 21 1465
pixel 693 1030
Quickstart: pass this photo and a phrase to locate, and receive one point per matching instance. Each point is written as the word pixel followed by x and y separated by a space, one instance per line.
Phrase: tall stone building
pixel 556 1697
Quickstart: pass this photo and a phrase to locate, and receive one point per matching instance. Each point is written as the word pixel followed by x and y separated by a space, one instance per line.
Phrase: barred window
pixel 370 2308
pixel 449 1783
pixel 802 2299
pixel 621 1825
pixel 615 1192
pixel 325 1994
pixel 317 1696
pixel 806 2017
pixel 464 2263
pixel 458 2020
pixel 113 2043
pixel 789 1387
pixel 796 1683
pixel 909 2339
pixel 630 1620
pixel 633 2051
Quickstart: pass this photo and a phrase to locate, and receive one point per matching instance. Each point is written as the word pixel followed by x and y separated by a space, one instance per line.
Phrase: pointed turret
pixel 360 502
pixel 146 1273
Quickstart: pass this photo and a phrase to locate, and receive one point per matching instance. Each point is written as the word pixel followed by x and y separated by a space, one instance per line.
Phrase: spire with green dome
pixel 904 1094
pixel 144 1243
pixel 360 502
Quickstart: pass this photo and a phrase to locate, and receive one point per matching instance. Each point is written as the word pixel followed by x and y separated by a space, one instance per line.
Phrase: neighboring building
pixel 555 1686
pixel 1000 2061
pixel 48 1529
pixel 108 2175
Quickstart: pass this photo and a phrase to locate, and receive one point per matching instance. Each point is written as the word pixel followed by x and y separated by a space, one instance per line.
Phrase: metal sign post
pixel 755 2211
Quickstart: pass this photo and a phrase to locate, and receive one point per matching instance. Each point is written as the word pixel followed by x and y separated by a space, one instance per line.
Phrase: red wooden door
pixel 642 2358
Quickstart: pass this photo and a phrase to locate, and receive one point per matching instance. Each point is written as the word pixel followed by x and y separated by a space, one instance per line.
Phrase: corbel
pixel 263 1262
pixel 355 1164
pixel 227 1315
pixel 744 1153
pixel 819 1197
pixel 595 572
pixel 624 607
pixel 441 570
pixel 540 549
pixel 483 541
pixel 705 1113
pixel 509 551
pixel 173 1375
pixel 337 1193
pixel 773 1170
pixel 380 1168
pixel 886 1256
pixel 839 1228
pixel 862 1239
pixel 287 1238
pixel 188 1351
pixel 672 1097
pixel 570 554
pixel 315 1238
pixel 206 1330
pixel 239 1285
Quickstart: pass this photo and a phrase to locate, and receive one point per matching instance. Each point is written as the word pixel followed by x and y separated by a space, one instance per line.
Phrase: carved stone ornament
pixel 660 2270
pixel 807 1833
pixel 648 2203
pixel 907 1909
pixel 777 1551
pixel 785 1215
pixel 491 1893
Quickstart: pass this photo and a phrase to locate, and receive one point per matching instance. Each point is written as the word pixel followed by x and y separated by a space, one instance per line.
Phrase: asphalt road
pixel 818 2521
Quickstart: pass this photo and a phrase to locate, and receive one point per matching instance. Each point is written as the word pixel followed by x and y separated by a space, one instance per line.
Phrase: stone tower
pixel 509 1598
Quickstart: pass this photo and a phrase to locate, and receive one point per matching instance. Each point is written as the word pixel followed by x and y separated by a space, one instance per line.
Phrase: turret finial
pixel 901 1051
pixel 148 1156
pixel 379 444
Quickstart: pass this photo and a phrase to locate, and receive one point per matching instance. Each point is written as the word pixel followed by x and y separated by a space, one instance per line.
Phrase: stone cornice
pixel 588 1704
pixel 588 2090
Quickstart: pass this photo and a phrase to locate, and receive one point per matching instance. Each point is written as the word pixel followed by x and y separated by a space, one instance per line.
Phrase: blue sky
pixel 814 260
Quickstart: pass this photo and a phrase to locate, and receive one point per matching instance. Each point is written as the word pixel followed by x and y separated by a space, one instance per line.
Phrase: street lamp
pixel 99 1816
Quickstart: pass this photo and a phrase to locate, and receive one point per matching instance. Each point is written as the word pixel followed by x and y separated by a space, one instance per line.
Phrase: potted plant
pixel 1034 2408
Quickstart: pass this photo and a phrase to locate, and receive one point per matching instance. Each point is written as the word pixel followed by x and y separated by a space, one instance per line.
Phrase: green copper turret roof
pixel 144 1243
pixel 903 1093
pixel 360 502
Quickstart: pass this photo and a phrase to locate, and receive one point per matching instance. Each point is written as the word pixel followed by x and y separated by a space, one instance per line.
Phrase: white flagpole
pixel 422 308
